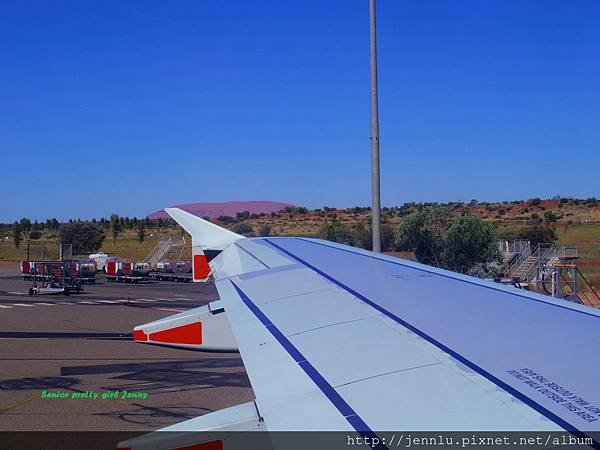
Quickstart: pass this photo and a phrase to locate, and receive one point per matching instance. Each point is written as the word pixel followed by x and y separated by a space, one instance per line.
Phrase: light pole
pixel 376 198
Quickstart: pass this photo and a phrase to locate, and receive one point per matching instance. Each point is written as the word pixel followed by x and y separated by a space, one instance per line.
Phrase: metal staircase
pixel 162 249
pixel 529 265
pixel 552 269
pixel 524 268
pixel 514 255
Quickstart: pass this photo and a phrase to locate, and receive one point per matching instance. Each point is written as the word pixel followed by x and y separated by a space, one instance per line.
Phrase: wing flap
pixel 440 397
pixel 211 431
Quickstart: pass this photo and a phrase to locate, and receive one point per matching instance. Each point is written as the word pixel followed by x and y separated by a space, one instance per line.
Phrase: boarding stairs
pixel 514 254
pixel 162 249
pixel 552 268
pixel 525 268
pixel 528 264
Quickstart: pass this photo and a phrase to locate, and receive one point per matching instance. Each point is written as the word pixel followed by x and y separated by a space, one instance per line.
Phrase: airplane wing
pixel 337 338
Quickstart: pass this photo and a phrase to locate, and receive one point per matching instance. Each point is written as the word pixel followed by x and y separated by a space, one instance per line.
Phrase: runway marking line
pixel 22 402
pixel 45 304
pixel 5 306
pixel 22 304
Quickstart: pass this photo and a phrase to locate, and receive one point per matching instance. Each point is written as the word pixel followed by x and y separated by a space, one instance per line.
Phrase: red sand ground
pixel 214 210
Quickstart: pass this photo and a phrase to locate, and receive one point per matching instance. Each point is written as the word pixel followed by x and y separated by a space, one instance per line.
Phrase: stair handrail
pixel 568 253
pixel 523 258
pixel 524 252
pixel 543 253
pixel 520 246
pixel 159 247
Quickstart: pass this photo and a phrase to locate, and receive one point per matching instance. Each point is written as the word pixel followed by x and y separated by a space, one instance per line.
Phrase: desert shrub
pixel 243 228
pixel 35 234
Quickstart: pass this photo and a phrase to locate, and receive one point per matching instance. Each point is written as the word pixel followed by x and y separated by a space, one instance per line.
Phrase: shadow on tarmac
pixel 52 335
pixel 26 384
pixel 169 376
pixel 152 416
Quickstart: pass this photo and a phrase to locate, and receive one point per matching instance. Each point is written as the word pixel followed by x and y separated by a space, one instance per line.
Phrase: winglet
pixel 207 240
pixel 204 233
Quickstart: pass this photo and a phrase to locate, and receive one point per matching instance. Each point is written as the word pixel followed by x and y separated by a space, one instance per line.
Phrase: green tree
pixel 549 217
pixel 17 230
pixel 388 238
pixel 243 228
pixel 470 242
pixel 538 234
pixel 244 215
pixel 226 220
pixel 336 231
pixel 84 236
pixel 35 234
pixel 141 231
pixel 264 231
pixel 25 224
pixel 115 227
pixel 424 232
pixel 54 225
pixel 363 237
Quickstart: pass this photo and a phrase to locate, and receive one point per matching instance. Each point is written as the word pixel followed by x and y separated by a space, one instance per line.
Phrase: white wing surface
pixel 337 338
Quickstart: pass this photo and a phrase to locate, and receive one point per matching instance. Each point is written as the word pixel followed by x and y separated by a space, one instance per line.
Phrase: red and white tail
pixel 208 240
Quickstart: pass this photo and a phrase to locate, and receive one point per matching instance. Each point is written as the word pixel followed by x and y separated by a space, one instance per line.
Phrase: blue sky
pixel 128 107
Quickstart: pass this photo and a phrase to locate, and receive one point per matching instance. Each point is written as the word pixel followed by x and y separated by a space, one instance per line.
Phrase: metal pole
pixel 376 199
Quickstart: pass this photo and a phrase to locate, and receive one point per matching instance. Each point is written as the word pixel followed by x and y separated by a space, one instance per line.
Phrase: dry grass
pixel 127 246
pixel 586 237
pixel 584 232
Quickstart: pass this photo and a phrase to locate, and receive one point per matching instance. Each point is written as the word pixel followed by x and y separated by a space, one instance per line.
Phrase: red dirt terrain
pixel 214 210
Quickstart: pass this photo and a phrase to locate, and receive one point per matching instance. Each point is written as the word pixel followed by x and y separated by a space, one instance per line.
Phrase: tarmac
pixel 79 348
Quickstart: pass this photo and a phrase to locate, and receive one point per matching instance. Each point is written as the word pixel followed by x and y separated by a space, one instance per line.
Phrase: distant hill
pixel 213 210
